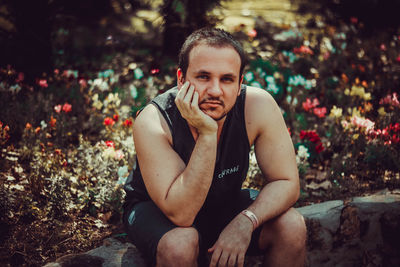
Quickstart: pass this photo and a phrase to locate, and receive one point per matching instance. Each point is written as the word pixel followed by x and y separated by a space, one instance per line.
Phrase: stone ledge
pixel 361 232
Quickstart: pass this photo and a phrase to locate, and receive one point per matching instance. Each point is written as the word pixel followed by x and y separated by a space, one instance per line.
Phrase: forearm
pixel 189 190
pixel 275 198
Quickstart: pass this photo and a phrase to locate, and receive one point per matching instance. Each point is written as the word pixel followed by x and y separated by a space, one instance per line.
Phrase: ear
pixel 240 85
pixel 179 77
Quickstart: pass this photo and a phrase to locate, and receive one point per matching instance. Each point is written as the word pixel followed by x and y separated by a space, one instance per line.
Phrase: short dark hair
pixel 213 37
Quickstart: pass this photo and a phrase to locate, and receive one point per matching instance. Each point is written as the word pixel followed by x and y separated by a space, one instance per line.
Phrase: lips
pixel 212 103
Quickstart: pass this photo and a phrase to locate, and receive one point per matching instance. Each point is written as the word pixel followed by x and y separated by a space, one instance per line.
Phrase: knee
pixel 291 229
pixel 286 231
pixel 179 245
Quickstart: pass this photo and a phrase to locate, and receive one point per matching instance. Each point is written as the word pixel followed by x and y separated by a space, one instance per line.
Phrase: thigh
pixel 146 224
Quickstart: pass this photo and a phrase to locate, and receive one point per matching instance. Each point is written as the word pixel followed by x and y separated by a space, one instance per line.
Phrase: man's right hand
pixel 187 101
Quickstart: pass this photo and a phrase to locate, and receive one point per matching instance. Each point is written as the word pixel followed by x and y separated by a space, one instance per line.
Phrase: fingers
pixel 240 260
pixel 215 258
pixel 232 260
pixel 189 95
pixel 185 98
pixel 223 259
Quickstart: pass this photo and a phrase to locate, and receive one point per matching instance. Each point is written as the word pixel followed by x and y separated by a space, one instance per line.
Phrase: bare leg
pixel 284 237
pixel 178 247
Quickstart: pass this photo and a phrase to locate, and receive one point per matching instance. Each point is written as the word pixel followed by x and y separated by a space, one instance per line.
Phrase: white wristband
pixel 253 218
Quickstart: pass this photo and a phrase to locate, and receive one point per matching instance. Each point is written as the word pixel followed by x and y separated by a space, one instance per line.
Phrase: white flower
pixel 302 152
pixel 43 124
pixel 109 153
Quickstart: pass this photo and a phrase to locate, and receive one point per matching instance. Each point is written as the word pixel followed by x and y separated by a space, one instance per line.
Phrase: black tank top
pixel 232 160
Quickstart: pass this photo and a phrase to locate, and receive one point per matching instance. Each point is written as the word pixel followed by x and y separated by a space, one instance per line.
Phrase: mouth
pixel 212 103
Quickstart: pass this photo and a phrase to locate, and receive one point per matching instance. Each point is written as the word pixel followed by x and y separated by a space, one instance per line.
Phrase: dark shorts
pixel 146 224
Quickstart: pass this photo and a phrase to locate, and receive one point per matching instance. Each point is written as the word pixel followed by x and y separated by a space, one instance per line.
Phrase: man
pixel 184 199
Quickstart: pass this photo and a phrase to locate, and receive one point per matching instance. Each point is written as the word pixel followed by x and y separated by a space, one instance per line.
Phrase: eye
pixel 227 79
pixel 202 77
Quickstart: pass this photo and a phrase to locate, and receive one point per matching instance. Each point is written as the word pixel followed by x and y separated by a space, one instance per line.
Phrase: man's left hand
pixel 232 244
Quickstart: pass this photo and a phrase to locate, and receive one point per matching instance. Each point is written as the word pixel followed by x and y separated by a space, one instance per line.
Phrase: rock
pixel 112 253
pixel 362 232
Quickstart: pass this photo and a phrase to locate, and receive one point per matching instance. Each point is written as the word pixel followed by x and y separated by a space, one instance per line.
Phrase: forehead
pixel 214 59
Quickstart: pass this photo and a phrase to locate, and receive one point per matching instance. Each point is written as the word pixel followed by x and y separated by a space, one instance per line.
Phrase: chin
pixel 218 116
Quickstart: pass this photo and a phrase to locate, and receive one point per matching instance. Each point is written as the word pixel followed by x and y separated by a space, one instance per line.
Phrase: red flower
pixel 302 134
pixel 109 121
pixel 67 107
pixel 52 122
pixel 303 50
pixel 110 144
pixel 127 122
pixel 310 135
pixel 354 20
pixel 319 148
pixel 308 105
pixel 252 33
pixel 320 112
pixel 398 59
pixel 115 117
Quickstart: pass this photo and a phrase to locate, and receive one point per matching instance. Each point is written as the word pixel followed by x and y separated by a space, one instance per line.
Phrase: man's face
pixel 214 72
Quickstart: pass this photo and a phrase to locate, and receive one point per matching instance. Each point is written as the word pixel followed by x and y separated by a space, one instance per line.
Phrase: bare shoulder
pixel 150 122
pixel 261 111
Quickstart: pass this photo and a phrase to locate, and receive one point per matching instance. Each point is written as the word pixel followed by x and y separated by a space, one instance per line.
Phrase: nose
pixel 214 89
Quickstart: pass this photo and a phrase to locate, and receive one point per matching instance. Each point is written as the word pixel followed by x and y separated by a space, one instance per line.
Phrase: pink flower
pixel 308 105
pixel 67 107
pixel 56 71
pixel 383 47
pixel 110 144
pixel 363 123
pixel 43 83
pixel 252 33
pixel 20 78
pixel 119 154
pixel 109 121
pixel 154 71
pixel 320 112
pixel 83 83
pixel 57 108
pixel 390 100
pixel 398 59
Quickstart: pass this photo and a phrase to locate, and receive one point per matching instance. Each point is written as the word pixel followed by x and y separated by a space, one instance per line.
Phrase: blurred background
pixel 74 73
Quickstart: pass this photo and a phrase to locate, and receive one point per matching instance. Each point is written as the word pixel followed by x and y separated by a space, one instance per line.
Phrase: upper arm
pixel 267 129
pixel 159 163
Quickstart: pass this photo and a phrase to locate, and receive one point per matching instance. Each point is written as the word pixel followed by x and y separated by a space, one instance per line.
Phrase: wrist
pixel 252 217
pixel 208 135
